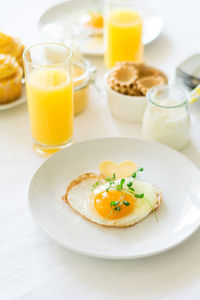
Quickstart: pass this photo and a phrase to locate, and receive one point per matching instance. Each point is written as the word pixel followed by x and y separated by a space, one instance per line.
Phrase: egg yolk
pixel 95 20
pixel 102 204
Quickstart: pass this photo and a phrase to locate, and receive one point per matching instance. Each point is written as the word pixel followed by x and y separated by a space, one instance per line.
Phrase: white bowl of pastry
pixel 126 88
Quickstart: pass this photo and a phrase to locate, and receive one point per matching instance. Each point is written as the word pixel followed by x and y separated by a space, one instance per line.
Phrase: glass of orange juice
pixel 48 72
pixel 123 32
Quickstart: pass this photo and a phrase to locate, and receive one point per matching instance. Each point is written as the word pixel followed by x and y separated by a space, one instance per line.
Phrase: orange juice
pixel 123 37
pixel 49 94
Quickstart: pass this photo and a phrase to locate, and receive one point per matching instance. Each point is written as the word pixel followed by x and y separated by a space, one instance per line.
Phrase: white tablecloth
pixel 34 267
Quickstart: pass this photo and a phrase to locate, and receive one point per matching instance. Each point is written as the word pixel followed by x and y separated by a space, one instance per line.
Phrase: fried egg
pixel 93 201
pixel 94 21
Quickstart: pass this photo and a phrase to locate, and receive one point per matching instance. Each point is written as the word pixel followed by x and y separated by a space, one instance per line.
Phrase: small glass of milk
pixel 166 118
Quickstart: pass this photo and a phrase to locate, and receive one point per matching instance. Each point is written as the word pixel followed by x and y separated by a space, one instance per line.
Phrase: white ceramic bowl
pixel 126 108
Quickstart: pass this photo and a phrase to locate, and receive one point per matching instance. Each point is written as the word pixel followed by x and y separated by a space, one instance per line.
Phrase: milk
pixel 167 123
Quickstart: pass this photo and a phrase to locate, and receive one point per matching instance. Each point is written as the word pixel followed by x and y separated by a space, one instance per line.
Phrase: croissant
pixel 12 46
pixel 10 78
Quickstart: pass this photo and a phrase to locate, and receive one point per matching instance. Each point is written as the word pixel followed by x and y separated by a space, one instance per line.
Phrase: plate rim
pixel 97 254
pixel 89 53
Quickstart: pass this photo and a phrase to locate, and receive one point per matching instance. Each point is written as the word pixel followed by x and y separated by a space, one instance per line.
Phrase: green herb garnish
pixel 110 179
pixel 95 185
pixel 126 203
pixel 117 205
pixel 134 175
pixel 114 203
pixel 139 195
pixel 122 182
pixel 131 189
pixel 129 185
pixel 118 187
pixel 118 208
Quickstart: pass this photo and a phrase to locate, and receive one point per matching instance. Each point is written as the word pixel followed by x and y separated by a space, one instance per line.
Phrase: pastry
pixel 147 82
pixel 134 79
pixel 12 46
pixel 10 78
pixel 143 70
pixel 123 79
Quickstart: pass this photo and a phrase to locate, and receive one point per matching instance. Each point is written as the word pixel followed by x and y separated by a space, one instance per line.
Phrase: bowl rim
pixel 127 97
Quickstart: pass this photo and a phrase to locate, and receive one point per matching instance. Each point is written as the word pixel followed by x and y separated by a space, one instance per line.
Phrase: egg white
pixel 81 198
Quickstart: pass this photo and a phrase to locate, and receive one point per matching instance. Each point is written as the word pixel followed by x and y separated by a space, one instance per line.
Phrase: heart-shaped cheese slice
pixel 122 170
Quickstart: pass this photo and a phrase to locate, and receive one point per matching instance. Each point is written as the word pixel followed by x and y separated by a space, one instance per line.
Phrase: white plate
pixel 179 212
pixel 52 24
pixel 20 100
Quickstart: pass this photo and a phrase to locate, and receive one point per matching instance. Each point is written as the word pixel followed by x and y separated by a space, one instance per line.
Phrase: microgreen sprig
pixel 139 195
pixel 129 185
pixel 126 203
pixel 111 179
pixel 140 170
pixel 135 173
pixel 95 185
pixel 118 208
pixel 119 187
pixel 116 205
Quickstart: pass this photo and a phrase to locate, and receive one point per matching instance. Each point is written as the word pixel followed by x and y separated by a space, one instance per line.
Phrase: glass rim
pixel 66 61
pixel 168 86
pixel 86 68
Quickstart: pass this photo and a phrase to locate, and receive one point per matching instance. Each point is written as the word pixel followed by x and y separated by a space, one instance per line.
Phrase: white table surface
pixel 34 267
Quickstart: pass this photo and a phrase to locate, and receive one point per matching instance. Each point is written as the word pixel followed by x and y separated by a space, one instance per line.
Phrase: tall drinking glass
pixel 123 32
pixel 48 71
